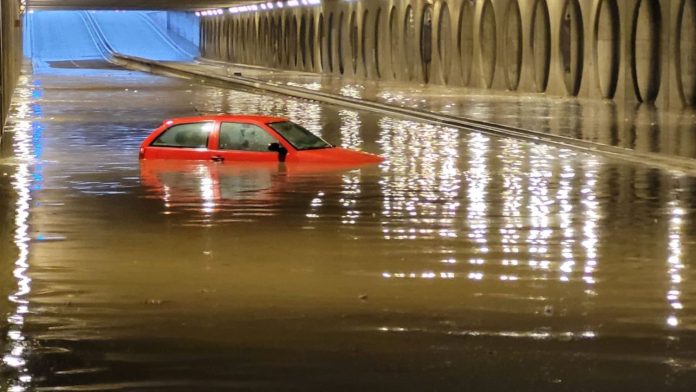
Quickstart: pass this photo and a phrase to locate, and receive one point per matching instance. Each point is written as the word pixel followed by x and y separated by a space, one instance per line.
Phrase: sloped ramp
pixel 60 36
pixel 63 40
pixel 133 34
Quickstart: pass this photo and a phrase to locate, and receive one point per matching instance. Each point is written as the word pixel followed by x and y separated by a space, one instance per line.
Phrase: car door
pixel 187 141
pixel 239 142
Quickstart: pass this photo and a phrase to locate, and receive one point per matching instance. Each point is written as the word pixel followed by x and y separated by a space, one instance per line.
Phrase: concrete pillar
pixel 628 51
pixel 10 54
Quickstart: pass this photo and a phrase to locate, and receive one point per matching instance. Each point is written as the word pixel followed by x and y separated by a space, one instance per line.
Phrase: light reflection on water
pixel 591 214
pixel 456 234
pixel 513 199
pixel 674 262
pixel 27 178
pixel 477 192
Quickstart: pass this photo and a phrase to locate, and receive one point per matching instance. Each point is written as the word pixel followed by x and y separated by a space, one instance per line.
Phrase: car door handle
pixel 218 158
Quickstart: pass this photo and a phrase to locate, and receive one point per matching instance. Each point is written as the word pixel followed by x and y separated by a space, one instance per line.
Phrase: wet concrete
pixel 638 127
pixel 463 262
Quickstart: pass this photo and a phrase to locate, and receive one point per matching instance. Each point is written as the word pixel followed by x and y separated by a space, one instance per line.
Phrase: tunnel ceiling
pixel 135 4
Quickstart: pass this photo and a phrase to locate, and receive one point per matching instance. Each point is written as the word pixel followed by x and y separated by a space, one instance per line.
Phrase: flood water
pixel 642 128
pixel 464 262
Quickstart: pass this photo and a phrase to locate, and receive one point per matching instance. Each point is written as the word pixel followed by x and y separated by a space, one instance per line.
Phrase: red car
pixel 230 138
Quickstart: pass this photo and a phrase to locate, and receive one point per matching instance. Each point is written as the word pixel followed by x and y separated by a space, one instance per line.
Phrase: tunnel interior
pixel 533 217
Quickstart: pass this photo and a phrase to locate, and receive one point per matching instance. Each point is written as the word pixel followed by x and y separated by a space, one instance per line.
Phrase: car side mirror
pixel 282 151
pixel 275 147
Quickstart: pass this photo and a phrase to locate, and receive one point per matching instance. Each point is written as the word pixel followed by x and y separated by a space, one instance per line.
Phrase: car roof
pixel 254 118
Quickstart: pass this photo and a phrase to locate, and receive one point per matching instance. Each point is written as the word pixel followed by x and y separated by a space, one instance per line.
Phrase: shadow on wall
pixel 562 48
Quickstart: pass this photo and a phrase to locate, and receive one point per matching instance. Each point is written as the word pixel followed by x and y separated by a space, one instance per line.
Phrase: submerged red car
pixel 250 138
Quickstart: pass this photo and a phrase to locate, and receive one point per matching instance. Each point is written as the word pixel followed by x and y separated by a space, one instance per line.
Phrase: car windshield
pixel 299 137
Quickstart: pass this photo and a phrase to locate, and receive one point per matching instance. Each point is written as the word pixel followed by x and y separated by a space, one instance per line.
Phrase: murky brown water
pixel 642 128
pixel 464 262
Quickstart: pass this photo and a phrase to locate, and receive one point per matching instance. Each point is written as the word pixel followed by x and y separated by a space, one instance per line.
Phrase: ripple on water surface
pixel 461 251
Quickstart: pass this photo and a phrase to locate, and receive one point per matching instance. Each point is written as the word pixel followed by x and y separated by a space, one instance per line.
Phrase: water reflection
pixel 350 138
pixel 539 208
pixel 565 215
pixel 591 217
pixel 675 265
pixel 27 146
pixel 477 182
pixel 513 199
pixel 350 129
pixel 509 244
pixel 420 181
pixel 644 128
pixel 243 192
pixel 352 91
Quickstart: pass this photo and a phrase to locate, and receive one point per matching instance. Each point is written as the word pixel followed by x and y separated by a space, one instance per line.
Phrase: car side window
pixel 244 137
pixel 193 135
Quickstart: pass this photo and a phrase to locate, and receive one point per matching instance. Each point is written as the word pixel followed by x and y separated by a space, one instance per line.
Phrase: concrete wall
pixel 183 24
pixel 10 54
pixel 630 51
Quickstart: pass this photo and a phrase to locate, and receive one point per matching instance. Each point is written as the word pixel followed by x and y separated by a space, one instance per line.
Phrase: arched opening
pixel 572 46
pixel 376 44
pixel 222 42
pixel 253 25
pixel 227 34
pixel 409 39
pixel 261 39
pixel 444 41
pixel 269 39
pixel 294 49
pixel 277 43
pixel 242 41
pixel 247 40
pixel 322 42
pixel 213 38
pixel 230 41
pixel 606 43
pixel 687 52
pixel 645 48
pixel 341 38
pixel 541 41
pixel 287 51
pixel 488 43
pixel 310 43
pixel 329 42
pixel 426 42
pixel 249 36
pixel 512 45
pixel 393 42
pixel 363 41
pixel 354 45
pixel 303 41
pixel 256 27
pixel 226 30
pixel 465 41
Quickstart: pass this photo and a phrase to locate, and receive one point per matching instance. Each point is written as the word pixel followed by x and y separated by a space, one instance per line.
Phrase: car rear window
pixel 194 135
